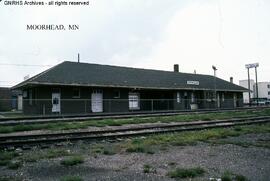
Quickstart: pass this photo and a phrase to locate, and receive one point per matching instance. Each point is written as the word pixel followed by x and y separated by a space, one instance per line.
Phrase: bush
pixel 71 178
pixel 186 173
pixel 14 165
pixel 240 178
pixel 146 168
pixel 75 160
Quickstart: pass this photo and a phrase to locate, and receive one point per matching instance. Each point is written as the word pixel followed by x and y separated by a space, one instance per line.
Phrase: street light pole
pixel 249 101
pixel 257 93
pixel 248 66
pixel 215 69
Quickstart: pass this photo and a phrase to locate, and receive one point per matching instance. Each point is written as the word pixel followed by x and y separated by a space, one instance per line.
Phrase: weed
pixel 240 178
pixel 186 173
pixel 171 163
pixel 71 178
pixel 229 176
pixel 120 122
pixel 6 178
pixel 54 153
pixel 75 160
pixel 6 157
pixel 14 165
pixel 45 154
pixel 136 148
pixel 148 169
pixel 226 178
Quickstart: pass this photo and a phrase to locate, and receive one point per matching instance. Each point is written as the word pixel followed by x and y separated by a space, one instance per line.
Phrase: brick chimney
pixel 176 68
pixel 231 80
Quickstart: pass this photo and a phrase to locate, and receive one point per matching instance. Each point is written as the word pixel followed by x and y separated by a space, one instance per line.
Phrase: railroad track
pixel 37 139
pixel 55 119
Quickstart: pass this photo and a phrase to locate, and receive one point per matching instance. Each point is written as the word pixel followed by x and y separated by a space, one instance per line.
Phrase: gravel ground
pixel 252 162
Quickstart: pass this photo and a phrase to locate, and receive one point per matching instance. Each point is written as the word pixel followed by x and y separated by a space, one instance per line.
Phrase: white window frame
pixel 178 97
pixel 192 97
pixel 30 97
pixel 134 101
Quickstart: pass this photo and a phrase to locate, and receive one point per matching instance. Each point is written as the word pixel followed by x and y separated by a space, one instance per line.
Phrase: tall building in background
pixel 263 90
pixel 244 83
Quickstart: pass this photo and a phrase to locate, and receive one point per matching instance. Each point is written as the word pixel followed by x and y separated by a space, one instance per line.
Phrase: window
pixel 134 102
pixel 116 94
pixel 30 97
pixel 268 86
pixel 209 96
pixel 223 97
pixel 178 97
pixel 76 93
pixel 269 93
pixel 192 97
pixel 24 94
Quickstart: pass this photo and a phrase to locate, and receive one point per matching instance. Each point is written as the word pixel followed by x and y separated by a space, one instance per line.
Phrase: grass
pixel 189 138
pixel 104 149
pixel 120 122
pixel 71 161
pixel 71 178
pixel 229 176
pixel 14 165
pixel 6 157
pixel 7 178
pixel 45 154
pixel 186 172
pixel 148 169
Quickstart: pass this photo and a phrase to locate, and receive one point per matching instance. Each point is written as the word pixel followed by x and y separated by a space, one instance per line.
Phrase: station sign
pixel 252 65
pixel 189 82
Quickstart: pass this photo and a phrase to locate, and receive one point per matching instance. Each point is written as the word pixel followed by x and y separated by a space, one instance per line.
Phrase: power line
pixel 25 65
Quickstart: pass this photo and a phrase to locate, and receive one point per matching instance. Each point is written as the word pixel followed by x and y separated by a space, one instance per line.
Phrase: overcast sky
pixel 152 34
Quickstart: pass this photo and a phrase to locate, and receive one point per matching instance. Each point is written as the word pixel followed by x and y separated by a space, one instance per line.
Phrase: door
pixel 134 101
pixel 234 100
pixel 20 102
pixel 56 104
pixel 218 100
pixel 186 100
pixel 97 101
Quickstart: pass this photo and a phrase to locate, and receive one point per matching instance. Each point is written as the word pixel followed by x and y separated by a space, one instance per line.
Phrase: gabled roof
pixel 85 74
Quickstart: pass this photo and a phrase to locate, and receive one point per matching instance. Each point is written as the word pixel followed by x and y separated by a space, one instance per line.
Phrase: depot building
pixel 84 88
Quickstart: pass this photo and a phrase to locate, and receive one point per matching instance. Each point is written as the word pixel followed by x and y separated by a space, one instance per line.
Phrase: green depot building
pixel 84 88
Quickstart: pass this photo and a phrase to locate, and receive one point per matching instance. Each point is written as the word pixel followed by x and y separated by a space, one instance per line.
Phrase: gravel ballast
pixel 250 161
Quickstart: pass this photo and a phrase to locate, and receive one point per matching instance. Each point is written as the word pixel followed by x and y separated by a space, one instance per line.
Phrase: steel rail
pixel 21 140
pixel 43 120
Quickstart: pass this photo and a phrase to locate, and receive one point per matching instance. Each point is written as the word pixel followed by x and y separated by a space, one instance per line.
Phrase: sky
pixel 151 34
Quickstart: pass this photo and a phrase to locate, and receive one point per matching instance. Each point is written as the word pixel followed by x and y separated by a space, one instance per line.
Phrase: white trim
pixel 132 87
pixel 134 101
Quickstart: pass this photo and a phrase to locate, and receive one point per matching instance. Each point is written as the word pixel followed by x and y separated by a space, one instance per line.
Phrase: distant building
pixel 263 90
pixel 10 99
pixel 244 83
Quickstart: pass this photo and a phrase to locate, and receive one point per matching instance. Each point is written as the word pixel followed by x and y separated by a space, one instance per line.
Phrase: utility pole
pixel 257 93
pixel 248 66
pixel 215 69
pixel 249 101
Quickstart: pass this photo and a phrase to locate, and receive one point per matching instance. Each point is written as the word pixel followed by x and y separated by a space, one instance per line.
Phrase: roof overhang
pixel 30 84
